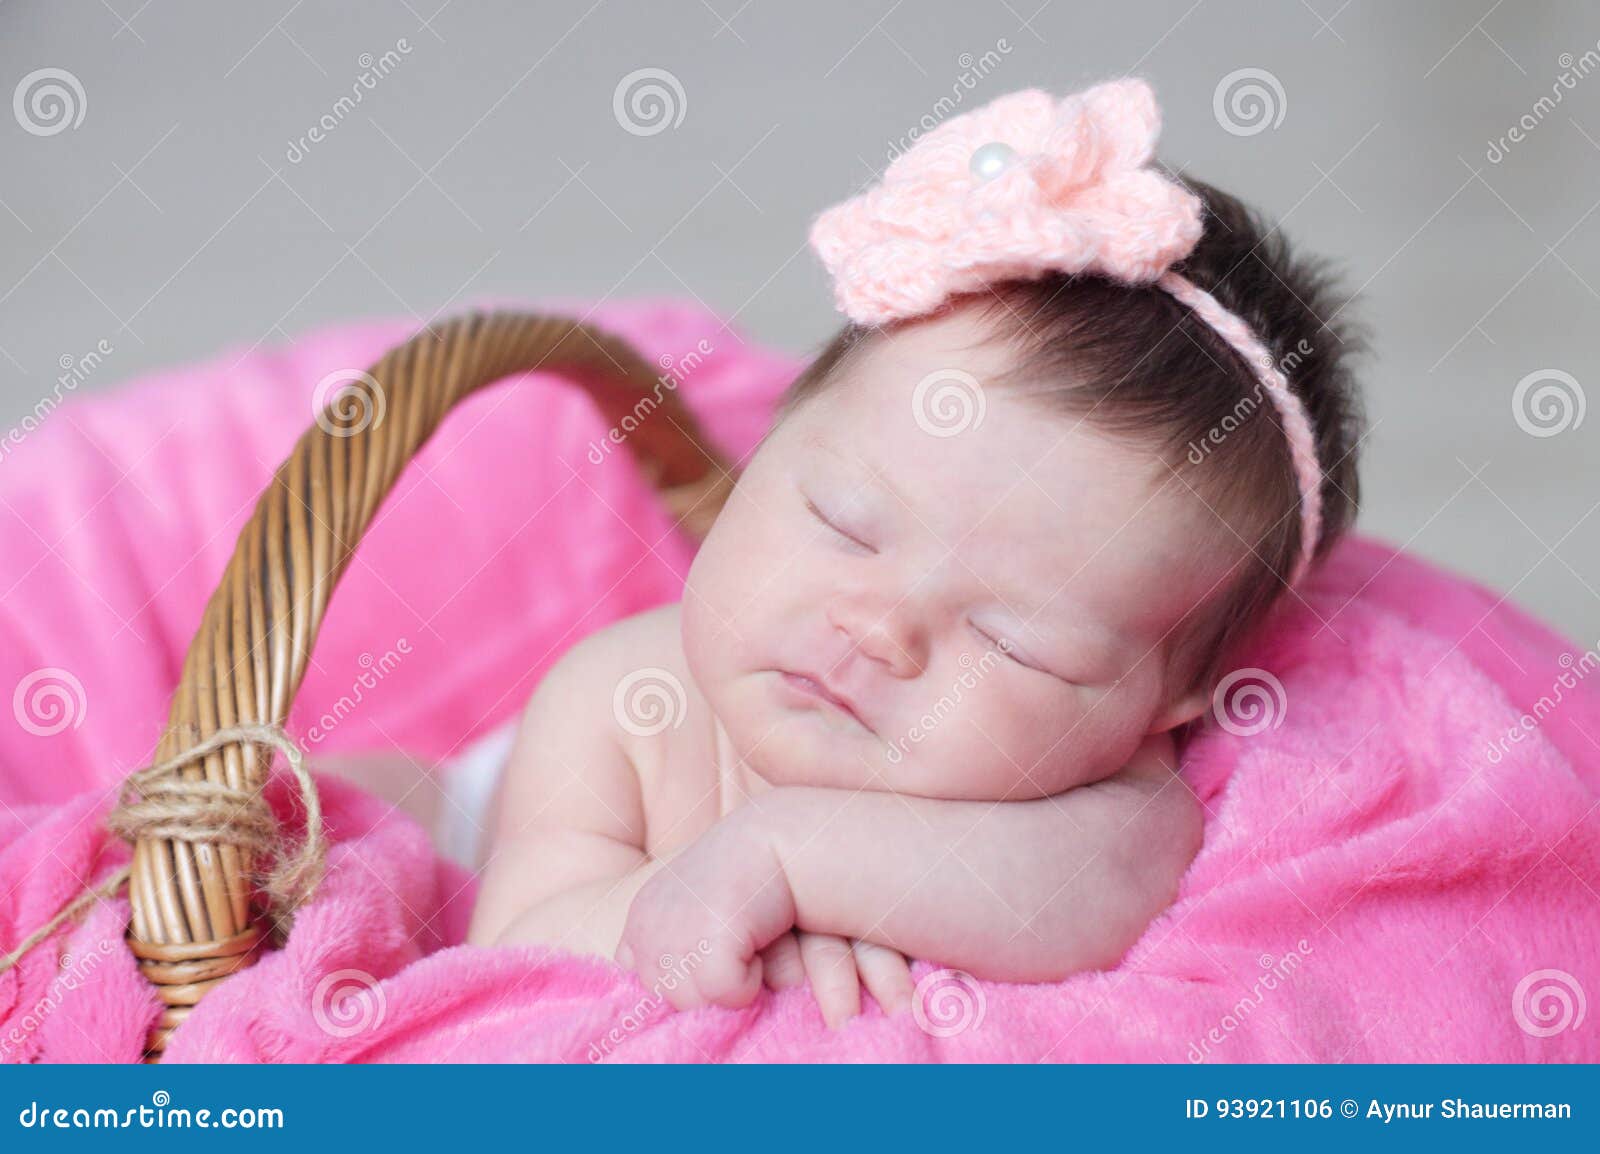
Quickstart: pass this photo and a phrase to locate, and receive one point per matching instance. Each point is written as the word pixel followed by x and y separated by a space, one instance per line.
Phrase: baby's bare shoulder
pixel 583 724
pixel 634 676
pixel 635 645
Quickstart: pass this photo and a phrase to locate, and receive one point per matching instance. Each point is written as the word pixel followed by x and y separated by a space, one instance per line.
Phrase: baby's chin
pixel 803 746
pixel 802 762
pixel 789 742
pixel 798 751
pixel 803 750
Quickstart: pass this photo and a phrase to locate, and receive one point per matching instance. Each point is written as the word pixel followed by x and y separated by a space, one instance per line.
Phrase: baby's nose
pixel 891 636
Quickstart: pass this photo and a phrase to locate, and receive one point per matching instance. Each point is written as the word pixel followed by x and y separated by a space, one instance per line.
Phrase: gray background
pixel 170 222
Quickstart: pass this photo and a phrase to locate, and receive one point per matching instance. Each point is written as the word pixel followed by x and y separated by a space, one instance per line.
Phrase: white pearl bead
pixel 990 160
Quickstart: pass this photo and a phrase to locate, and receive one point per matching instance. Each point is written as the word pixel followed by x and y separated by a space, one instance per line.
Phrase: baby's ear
pixel 1186 708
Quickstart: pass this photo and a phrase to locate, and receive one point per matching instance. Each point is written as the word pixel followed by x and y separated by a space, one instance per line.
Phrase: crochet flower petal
pixel 1070 192
pixel 925 211
pixel 1129 120
pixel 892 280
pixel 1145 223
pixel 1073 152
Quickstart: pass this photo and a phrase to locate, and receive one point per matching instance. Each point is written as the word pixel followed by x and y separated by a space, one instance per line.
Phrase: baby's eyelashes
pixel 1003 644
pixel 1014 653
pixel 837 528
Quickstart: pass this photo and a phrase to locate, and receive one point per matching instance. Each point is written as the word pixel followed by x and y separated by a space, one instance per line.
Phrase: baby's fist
pixel 695 930
pixel 673 942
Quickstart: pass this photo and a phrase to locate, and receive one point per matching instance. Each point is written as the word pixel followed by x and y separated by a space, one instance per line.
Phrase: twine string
pixel 159 802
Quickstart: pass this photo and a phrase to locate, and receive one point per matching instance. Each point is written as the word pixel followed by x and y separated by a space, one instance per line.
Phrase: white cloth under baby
pixel 462 827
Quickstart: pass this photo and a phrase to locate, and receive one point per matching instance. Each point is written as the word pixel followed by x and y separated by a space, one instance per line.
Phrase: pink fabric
pixel 1427 879
pixel 118 515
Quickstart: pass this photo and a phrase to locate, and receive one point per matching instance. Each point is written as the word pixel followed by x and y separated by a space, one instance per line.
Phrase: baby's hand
pixel 837 969
pixel 697 927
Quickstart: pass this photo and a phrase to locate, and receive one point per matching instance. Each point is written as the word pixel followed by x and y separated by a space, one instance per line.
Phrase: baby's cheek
pixel 1043 756
pixel 991 749
pixel 1055 740
pixel 733 564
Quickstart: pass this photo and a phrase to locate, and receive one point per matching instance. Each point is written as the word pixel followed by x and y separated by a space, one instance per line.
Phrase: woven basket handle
pixel 193 919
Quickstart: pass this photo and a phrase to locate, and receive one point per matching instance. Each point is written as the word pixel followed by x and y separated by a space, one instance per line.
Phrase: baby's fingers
pixel 831 967
pixel 724 977
pixel 886 975
pixel 782 965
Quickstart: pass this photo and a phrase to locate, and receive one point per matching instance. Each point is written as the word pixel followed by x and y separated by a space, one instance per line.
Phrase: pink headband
pixel 1027 185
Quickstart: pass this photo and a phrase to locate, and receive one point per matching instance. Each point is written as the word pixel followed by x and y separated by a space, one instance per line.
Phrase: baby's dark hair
pixel 1134 362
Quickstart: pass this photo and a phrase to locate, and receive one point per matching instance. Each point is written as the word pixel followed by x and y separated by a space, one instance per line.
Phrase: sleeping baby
pixel 923 694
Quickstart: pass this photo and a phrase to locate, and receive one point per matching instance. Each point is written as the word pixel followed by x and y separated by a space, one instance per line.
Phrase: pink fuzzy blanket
pixel 1402 856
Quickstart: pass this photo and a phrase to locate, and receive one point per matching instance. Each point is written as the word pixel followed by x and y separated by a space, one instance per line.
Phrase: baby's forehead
pixel 1014 493
pixel 949 437
pixel 961 340
pixel 1028 499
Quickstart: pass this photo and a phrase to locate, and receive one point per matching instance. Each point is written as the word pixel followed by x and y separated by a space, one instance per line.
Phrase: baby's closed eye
pixel 1018 655
pixel 833 522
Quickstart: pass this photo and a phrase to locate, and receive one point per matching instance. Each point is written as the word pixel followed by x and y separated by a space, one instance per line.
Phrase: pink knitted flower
pixel 1023 186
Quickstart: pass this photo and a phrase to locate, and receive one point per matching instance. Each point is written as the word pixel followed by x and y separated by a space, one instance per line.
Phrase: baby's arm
pixel 568 852
pixel 1017 891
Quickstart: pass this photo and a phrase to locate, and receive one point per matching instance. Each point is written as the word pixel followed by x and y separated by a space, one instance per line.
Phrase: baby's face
pixel 995 605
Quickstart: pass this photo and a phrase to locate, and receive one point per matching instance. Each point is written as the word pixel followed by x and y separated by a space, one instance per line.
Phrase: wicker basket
pixel 193 918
